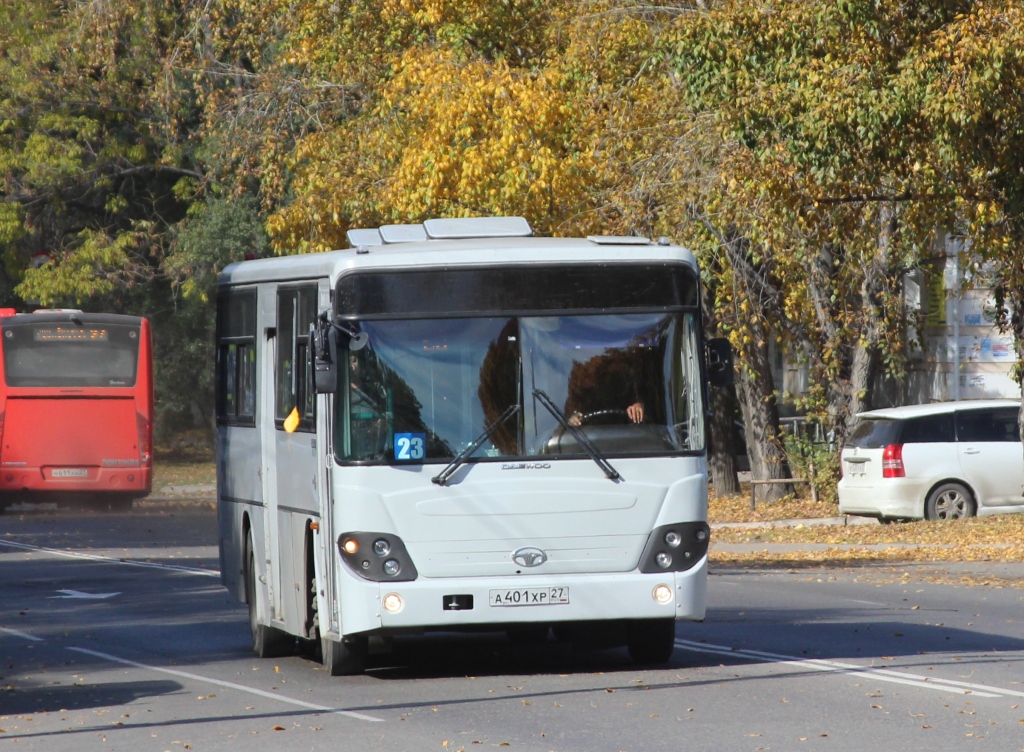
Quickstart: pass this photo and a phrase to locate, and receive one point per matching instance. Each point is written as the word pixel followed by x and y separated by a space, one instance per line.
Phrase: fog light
pixel 381 547
pixel 673 538
pixel 393 602
pixel 350 546
pixel 392 567
pixel 663 560
pixel 662 594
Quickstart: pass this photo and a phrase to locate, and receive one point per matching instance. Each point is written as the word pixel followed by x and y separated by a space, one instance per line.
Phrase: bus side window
pixel 236 357
pixel 296 310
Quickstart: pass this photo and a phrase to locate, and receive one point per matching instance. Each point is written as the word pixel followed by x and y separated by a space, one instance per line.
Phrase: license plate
pixel 530 596
pixel 70 472
pixel 855 468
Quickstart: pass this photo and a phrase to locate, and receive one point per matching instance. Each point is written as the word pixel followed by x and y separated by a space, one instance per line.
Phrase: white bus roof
pixel 443 253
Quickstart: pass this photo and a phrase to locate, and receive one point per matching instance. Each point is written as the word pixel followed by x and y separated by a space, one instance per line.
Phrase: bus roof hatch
pixel 618 240
pixel 360 237
pixel 403 233
pixel 477 227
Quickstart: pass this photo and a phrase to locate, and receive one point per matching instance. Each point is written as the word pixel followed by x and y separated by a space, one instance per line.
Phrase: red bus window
pixel 56 354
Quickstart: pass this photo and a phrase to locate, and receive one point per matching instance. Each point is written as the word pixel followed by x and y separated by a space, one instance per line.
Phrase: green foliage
pixel 807 150
pixel 817 460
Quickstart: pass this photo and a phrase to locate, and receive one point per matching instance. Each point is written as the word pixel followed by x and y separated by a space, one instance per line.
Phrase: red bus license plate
pixel 531 596
pixel 69 472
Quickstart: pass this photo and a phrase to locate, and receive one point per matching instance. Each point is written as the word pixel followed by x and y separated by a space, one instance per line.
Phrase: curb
pixel 810 522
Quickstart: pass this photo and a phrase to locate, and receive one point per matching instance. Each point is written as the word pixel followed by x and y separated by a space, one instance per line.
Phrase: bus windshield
pixel 63 354
pixel 423 390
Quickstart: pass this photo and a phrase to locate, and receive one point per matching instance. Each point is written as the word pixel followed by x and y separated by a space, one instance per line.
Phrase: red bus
pixel 76 408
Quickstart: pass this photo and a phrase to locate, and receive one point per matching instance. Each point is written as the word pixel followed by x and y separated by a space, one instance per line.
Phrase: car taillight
pixel 145 438
pixel 892 461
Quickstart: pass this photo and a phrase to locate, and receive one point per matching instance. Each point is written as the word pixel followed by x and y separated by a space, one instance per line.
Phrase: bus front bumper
pixel 471 602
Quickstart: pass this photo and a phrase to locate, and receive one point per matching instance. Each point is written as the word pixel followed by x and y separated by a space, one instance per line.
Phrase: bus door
pixel 326 560
pixel 295 437
pixel 268 473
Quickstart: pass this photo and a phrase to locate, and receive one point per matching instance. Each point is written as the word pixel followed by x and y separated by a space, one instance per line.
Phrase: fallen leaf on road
pixel 278 728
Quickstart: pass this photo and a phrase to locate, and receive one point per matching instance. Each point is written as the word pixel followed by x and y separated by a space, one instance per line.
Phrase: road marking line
pixel 870 603
pixel 112 560
pixel 22 635
pixel 79 595
pixel 229 685
pixel 886 675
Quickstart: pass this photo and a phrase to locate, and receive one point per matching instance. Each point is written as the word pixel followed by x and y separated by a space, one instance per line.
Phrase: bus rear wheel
pixel 344 658
pixel 267 641
pixel 651 640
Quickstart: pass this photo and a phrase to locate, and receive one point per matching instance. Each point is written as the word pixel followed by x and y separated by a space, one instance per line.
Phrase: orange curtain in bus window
pixel 292 421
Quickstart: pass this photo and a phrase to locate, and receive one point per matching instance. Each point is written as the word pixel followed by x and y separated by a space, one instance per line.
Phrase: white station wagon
pixel 941 461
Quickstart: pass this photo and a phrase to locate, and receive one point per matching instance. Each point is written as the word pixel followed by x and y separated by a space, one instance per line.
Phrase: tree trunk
pixel 756 391
pixel 863 362
pixel 721 449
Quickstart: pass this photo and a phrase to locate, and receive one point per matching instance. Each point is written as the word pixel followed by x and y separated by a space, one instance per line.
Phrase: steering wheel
pixel 585 417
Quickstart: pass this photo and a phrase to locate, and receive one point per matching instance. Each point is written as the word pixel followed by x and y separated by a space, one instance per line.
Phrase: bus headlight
pixel 675 548
pixel 662 594
pixel 393 603
pixel 389 560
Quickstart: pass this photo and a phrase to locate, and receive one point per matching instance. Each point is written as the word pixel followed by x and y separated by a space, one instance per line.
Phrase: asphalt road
pixel 131 644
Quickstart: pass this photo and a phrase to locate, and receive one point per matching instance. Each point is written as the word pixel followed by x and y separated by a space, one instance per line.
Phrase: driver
pixel 605 384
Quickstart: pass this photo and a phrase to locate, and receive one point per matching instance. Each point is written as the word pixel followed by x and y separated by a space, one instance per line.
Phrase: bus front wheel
pixel 267 641
pixel 344 658
pixel 651 640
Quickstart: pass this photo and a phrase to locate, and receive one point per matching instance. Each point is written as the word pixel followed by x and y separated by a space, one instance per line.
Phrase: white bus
pixel 457 426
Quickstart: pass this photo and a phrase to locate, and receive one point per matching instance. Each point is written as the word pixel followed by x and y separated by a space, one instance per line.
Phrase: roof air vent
pixel 402 233
pixel 360 237
pixel 618 240
pixel 477 227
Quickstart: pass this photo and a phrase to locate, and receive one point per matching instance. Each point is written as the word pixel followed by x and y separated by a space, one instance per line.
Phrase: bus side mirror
pixel 323 355
pixel 719 362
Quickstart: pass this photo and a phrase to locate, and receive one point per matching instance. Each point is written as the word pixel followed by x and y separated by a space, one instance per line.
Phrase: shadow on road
pixel 47 698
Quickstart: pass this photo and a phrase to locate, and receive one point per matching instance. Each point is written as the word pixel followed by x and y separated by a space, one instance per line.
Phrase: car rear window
pixel 874 433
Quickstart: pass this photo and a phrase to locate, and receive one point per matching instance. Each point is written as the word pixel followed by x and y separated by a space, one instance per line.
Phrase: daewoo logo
pixel 529 557
pixel 526 466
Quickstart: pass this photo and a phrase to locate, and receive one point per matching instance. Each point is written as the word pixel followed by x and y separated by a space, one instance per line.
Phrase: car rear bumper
pixel 892 497
pixel 132 480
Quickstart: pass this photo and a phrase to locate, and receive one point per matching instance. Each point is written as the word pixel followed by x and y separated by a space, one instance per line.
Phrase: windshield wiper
pixel 580 436
pixel 442 477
